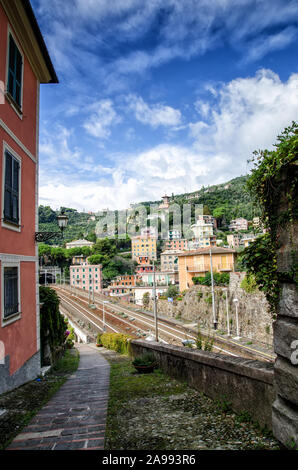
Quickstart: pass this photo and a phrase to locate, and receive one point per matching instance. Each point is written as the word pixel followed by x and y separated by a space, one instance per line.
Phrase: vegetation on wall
pixel 53 327
pixel 220 279
pixel 275 173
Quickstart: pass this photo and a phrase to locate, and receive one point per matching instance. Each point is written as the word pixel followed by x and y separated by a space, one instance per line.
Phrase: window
pixel 11 189
pixel 15 70
pixel 11 291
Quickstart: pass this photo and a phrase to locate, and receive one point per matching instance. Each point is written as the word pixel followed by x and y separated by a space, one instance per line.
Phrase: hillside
pixel 224 201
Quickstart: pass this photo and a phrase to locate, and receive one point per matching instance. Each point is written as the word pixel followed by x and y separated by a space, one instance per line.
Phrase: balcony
pixel 197 268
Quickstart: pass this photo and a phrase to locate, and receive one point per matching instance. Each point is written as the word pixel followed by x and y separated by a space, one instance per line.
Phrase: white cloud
pixel 246 114
pixel 155 115
pixel 102 118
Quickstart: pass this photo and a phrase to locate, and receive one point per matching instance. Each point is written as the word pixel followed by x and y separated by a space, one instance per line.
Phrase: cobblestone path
pixel 75 417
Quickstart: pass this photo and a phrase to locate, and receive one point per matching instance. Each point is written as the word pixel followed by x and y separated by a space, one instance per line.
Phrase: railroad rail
pixel 140 324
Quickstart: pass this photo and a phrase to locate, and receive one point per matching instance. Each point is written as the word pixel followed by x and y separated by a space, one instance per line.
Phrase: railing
pixel 197 268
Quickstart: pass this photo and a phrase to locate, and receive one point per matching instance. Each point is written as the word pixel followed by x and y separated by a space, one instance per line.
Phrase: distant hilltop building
pixel 165 204
pixel 78 244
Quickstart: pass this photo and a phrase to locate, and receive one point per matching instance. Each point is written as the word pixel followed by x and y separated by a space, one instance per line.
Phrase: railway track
pixel 137 324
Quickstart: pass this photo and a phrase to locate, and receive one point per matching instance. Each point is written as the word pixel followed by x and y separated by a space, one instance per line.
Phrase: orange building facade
pixel 198 263
pixel 24 64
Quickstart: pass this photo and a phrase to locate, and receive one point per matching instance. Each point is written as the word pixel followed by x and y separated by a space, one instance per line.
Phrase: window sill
pixel 11 319
pixel 14 105
pixel 10 225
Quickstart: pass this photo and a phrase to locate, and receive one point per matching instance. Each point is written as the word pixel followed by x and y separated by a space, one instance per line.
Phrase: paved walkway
pixel 75 417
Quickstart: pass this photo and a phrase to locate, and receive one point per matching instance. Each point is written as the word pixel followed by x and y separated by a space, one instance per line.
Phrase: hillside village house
pixel 144 246
pixel 176 244
pixel 197 263
pixel 78 244
pixel 86 276
pixel 238 224
pixel 24 64
pixel 169 260
pixel 144 265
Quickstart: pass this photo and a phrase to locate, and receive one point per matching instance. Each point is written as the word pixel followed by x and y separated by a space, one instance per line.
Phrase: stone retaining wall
pixel 246 385
pixel 255 322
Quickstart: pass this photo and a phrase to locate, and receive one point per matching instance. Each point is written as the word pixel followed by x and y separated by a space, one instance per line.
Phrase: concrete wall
pixel 245 384
pixel 255 321
pixel 29 371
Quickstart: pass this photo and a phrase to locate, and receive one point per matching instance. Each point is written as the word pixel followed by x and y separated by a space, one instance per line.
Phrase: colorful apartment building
pixel 144 265
pixel 209 219
pixel 198 263
pixel 176 244
pixel 86 276
pixel 80 259
pixel 144 246
pixel 24 65
pixel 238 224
pixel 123 284
pixel 174 234
pixel 169 260
pixel 162 278
pixel 202 232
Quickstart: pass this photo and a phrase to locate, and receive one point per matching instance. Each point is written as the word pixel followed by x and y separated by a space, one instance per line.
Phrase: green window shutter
pixel 15 72
pixel 11 190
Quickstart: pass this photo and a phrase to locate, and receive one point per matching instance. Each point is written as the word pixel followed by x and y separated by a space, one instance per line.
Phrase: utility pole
pixel 212 291
pixel 154 303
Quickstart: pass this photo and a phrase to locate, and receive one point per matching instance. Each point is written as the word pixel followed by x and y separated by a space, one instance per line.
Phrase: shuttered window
pixel 11 293
pixel 15 67
pixel 11 189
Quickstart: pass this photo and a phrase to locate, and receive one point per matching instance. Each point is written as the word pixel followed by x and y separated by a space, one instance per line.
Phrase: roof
pixel 80 242
pixel 39 37
pixel 21 15
pixel 206 251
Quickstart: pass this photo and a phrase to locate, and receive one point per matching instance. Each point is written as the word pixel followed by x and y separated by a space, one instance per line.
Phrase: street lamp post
pixel 227 310
pixel 62 220
pixel 237 322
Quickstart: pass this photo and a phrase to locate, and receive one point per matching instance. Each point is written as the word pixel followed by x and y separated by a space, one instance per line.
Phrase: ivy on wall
pixel 52 324
pixel 273 185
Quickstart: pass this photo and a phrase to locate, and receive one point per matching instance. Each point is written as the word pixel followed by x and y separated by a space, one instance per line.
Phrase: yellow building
pixel 144 246
pixel 197 263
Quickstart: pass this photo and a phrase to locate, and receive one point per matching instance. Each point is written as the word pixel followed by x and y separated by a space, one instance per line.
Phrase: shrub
pixel 146 299
pixel 117 341
pixel 146 359
pixel 172 292
pixel 249 283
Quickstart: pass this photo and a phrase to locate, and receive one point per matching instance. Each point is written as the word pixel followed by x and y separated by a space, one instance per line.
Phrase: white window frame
pixel 16 228
pixel 15 316
pixel 11 102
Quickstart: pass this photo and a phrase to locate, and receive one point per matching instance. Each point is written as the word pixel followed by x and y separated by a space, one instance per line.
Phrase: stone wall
pixel 285 408
pixel 255 322
pixel 245 385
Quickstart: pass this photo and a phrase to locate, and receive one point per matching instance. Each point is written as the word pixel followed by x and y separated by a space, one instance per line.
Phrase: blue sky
pixel 160 96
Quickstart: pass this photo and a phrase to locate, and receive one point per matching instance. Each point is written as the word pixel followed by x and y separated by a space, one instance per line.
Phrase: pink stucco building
pixel 86 276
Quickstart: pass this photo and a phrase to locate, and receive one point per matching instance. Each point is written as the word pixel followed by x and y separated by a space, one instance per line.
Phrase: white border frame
pixel 7 225
pixel 15 316
pixel 10 32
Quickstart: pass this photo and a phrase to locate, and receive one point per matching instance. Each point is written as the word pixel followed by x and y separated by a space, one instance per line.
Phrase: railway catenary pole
pixel 212 290
pixel 154 303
